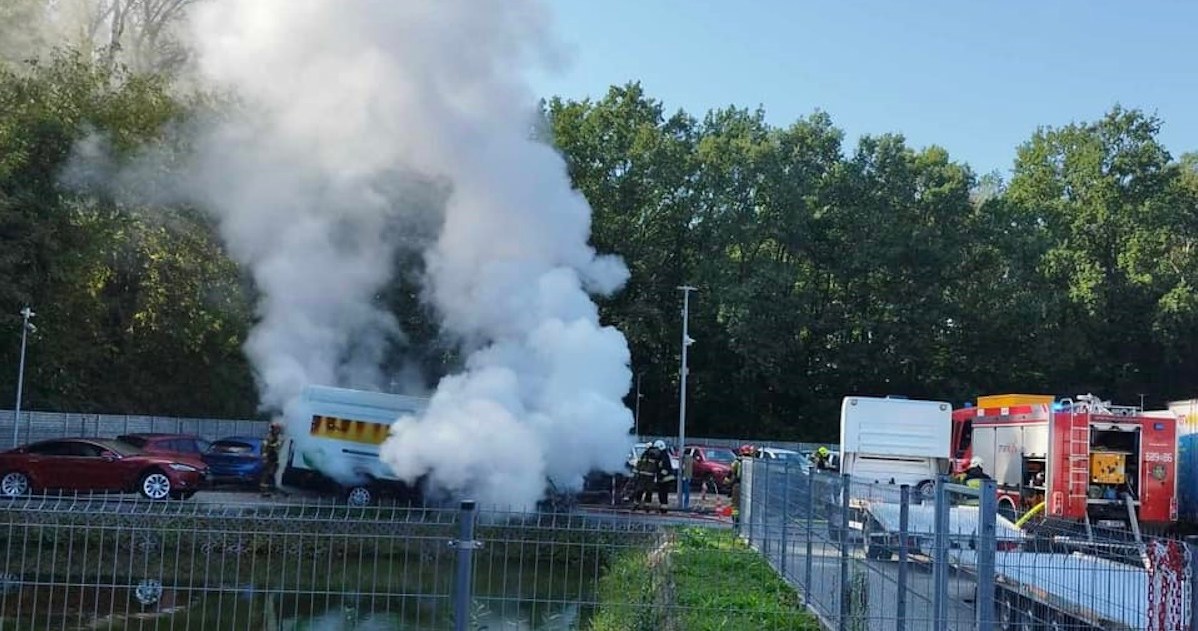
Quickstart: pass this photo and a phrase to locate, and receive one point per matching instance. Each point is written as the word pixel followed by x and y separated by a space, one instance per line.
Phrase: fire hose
pixel 1028 515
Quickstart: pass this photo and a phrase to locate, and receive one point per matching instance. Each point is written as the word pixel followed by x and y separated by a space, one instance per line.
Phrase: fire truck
pixel 1085 459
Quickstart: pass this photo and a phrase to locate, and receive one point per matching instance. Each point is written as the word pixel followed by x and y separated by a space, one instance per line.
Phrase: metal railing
pixel 868 555
pixel 233 562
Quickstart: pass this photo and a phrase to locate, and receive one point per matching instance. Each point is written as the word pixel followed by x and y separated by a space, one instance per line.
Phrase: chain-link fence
pixel 879 556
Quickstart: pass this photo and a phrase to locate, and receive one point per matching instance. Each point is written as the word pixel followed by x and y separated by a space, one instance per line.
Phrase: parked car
pixel 94 464
pixel 775 453
pixel 634 455
pixel 160 443
pixel 713 466
pixel 236 459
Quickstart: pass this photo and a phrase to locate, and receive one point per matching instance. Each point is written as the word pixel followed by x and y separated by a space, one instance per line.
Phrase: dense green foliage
pixel 881 269
pixel 702 579
pixel 825 268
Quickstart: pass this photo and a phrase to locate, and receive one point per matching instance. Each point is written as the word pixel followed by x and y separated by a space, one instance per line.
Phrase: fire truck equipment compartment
pixel 1109 467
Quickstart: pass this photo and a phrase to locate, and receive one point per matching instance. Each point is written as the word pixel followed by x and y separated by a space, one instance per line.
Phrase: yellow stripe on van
pixel 365 432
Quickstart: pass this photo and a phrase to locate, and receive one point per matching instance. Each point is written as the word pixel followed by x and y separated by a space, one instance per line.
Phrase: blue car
pixel 235 459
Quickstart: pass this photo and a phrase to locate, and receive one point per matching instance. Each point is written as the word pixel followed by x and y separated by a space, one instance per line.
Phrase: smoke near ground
pixel 356 111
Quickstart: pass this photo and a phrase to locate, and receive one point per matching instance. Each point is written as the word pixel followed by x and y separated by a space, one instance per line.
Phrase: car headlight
pixel 183 467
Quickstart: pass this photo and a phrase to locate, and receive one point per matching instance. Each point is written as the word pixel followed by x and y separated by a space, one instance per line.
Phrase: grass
pixel 698 580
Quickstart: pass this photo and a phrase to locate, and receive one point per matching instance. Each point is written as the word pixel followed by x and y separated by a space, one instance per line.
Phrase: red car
pixel 188 444
pixel 712 466
pixel 96 464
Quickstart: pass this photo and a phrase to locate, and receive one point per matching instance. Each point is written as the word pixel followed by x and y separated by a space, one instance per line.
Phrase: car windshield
pixel 231 447
pixel 136 441
pixel 784 455
pixel 720 455
pixel 120 446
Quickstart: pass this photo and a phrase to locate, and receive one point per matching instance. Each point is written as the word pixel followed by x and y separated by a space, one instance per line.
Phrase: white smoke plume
pixel 359 107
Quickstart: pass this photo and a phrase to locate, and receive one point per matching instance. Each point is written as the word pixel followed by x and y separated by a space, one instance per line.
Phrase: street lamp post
pixel 686 341
pixel 26 328
pixel 636 417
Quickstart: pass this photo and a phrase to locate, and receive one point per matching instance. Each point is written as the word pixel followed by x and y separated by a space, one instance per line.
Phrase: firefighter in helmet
pixel 973 477
pixel 270 457
pixel 647 467
pixel 734 476
pixel 821 458
pixel 667 477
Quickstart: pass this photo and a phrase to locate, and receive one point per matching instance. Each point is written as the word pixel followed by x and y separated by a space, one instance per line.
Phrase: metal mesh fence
pixel 35 426
pixel 879 556
pixel 238 562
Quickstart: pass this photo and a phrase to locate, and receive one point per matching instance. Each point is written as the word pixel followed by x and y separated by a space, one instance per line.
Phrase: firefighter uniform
pixel 646 477
pixel 973 477
pixel 270 458
pixel 667 479
pixel 745 451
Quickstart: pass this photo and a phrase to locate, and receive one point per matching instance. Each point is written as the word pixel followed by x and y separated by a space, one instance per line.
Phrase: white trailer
pixel 886 443
pixel 333 436
pixel 895 441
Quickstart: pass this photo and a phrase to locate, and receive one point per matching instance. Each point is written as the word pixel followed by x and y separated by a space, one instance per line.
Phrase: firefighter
pixel 821 458
pixel 746 451
pixel 667 477
pixel 646 475
pixel 270 458
pixel 973 477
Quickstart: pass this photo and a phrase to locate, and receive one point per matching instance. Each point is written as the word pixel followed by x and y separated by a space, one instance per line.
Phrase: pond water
pixel 551 601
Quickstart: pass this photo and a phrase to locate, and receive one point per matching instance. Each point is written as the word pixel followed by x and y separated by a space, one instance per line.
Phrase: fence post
pixel 900 622
pixel 463 579
pixel 764 521
pixel 810 533
pixel 845 491
pixel 1192 549
pixel 987 538
pixel 783 548
pixel 940 556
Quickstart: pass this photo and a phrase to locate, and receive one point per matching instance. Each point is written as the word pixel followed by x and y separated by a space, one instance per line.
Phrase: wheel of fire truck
pixel 1006 508
pixel 359 495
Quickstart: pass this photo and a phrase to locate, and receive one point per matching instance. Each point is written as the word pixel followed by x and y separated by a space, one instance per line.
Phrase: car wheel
pixel 155 485
pixel 359 496
pixel 14 484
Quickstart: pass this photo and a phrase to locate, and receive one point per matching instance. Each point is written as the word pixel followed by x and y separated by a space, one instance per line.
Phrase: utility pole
pixel 686 341
pixel 26 327
pixel 637 415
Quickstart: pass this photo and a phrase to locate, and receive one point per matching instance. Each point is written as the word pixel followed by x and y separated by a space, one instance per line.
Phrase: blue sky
pixel 974 77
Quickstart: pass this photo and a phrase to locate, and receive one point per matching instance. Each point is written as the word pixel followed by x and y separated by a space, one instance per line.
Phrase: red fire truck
pixel 1085 459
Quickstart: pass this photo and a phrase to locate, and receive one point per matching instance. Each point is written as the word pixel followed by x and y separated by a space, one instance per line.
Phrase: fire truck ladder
pixel 1079 462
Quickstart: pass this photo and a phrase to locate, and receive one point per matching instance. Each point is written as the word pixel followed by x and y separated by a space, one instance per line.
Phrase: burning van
pixel 332 442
